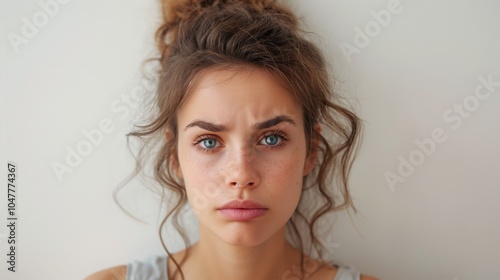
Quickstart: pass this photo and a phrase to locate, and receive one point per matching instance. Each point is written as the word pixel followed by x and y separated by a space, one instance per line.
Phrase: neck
pixel 216 259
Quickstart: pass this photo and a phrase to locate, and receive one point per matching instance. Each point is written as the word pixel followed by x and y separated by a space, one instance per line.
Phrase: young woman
pixel 242 110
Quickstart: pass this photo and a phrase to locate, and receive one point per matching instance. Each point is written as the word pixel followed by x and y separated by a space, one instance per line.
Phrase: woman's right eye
pixel 206 143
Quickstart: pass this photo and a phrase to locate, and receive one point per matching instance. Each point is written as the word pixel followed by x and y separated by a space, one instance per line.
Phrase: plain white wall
pixel 79 68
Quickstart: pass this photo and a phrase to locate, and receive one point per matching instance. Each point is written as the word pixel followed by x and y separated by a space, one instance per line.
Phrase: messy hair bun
pixel 177 12
pixel 200 34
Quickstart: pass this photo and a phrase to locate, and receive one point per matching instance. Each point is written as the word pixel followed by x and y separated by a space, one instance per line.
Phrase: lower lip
pixel 240 214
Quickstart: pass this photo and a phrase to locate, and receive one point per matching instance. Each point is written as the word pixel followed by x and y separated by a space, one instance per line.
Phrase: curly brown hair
pixel 205 34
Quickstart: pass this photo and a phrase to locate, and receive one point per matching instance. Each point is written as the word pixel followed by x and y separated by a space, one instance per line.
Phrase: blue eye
pixel 272 140
pixel 209 143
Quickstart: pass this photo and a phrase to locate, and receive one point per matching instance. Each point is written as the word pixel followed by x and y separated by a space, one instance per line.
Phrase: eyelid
pixel 202 137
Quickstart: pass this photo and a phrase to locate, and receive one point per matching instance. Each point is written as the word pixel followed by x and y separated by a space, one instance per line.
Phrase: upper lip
pixel 242 204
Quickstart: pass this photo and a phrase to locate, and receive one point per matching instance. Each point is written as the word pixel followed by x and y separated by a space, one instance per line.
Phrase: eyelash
pixel 283 137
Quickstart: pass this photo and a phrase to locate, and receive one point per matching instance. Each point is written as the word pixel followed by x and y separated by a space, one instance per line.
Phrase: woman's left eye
pixel 273 139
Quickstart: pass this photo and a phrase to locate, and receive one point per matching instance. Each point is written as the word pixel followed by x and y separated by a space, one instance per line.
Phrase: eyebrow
pixel 258 126
pixel 272 122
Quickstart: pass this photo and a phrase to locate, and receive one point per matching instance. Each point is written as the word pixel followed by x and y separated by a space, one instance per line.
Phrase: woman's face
pixel 241 138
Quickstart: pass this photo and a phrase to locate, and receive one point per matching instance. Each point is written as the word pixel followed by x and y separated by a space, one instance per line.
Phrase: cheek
pixel 193 173
pixel 201 192
pixel 202 178
pixel 285 176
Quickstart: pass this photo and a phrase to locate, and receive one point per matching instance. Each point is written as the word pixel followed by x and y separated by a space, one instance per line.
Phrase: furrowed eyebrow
pixel 272 122
pixel 207 126
pixel 258 126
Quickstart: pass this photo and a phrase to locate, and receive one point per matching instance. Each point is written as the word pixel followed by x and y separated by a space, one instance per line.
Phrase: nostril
pixel 236 184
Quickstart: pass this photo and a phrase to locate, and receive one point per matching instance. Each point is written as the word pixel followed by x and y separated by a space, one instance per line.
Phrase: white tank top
pixel 155 268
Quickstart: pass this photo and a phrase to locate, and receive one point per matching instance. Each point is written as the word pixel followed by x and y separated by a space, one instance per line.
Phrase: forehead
pixel 238 96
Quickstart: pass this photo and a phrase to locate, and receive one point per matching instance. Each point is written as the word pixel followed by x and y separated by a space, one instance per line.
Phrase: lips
pixel 245 210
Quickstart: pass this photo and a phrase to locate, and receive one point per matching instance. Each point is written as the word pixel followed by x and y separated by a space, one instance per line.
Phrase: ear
pixel 312 156
pixel 174 161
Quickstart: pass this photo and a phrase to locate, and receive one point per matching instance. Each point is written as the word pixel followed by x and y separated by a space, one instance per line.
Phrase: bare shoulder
pixel 113 273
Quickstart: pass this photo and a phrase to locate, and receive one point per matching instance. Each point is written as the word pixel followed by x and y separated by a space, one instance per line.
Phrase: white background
pixel 440 223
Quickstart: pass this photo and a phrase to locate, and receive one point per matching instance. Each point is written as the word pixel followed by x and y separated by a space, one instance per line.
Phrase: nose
pixel 241 169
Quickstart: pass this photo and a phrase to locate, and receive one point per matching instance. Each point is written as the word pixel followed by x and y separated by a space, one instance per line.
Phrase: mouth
pixel 242 210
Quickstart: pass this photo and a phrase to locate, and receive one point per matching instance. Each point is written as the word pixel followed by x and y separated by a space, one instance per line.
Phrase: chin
pixel 248 235
pixel 242 234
